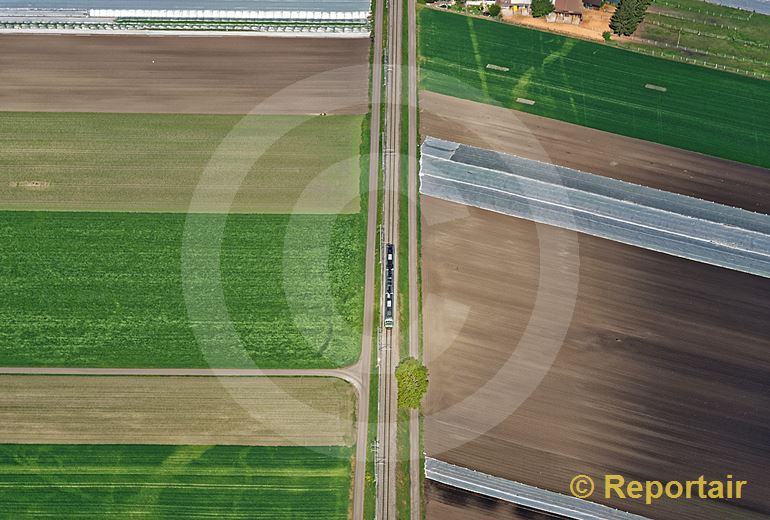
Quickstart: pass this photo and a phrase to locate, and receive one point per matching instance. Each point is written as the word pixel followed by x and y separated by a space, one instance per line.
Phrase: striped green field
pixel 190 482
pixel 180 163
pixel 174 290
pixel 595 85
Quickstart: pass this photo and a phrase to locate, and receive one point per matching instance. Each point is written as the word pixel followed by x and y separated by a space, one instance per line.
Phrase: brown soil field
pixel 594 151
pixel 447 503
pixel 660 370
pixel 176 410
pixel 202 75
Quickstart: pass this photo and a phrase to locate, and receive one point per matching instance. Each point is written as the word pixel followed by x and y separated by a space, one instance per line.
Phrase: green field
pixel 130 481
pixel 596 85
pixel 155 162
pixel 140 289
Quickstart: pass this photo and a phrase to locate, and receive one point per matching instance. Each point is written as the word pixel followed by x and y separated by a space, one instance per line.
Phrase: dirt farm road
pixel 363 367
pixel 351 375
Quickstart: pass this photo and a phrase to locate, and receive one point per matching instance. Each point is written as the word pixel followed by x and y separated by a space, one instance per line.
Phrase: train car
pixel 390 259
pixel 388 310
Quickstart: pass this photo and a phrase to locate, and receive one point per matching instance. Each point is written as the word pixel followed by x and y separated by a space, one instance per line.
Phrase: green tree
pixel 412 378
pixel 640 9
pixel 541 8
pixel 628 16
pixel 620 21
pixel 494 10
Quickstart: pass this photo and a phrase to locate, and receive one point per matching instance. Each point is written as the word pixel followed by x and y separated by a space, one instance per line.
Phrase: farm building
pixel 567 11
pixel 519 7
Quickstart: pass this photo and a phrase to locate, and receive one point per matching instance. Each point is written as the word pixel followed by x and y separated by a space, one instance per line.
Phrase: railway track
pixel 388 348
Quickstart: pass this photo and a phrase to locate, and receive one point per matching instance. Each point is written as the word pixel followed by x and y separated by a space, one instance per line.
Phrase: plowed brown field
pixel 662 372
pixel 200 75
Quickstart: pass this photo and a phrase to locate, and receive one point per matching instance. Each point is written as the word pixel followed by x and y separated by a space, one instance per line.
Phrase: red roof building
pixel 567 11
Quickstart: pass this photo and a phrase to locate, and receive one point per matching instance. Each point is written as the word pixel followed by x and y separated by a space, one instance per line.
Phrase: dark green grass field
pixel 598 86
pixel 130 481
pixel 143 289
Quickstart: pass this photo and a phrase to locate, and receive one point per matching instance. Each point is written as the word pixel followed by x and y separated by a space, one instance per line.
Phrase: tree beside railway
pixel 412 378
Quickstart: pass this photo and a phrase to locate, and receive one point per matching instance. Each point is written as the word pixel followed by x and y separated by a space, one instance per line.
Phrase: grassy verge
pixel 597 86
pixel 370 500
pixel 423 512
pixel 422 465
pixel 419 200
pixel 108 289
pixel 403 206
pixel 151 481
pixel 403 477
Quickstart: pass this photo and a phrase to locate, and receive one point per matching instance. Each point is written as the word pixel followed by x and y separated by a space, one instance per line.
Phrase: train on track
pixel 389 285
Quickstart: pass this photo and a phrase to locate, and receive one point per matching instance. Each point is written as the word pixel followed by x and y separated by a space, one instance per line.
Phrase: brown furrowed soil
pixel 307 411
pixel 190 75
pixel 662 371
pixel 594 151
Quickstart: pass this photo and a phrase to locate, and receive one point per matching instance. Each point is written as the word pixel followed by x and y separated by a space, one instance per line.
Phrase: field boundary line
pixel 347 375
